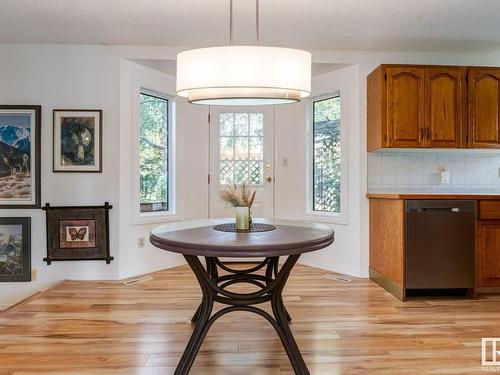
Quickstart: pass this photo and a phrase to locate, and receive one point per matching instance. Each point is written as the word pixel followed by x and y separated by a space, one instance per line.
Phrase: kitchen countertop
pixel 432 196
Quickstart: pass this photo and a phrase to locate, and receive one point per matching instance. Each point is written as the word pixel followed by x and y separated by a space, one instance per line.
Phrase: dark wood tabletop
pixel 199 238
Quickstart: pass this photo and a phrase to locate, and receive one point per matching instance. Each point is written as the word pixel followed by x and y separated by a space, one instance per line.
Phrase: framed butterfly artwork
pixel 77 233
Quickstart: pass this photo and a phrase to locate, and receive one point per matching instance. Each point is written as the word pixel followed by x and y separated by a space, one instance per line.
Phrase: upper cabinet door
pixel 484 107
pixel 445 99
pixel 405 107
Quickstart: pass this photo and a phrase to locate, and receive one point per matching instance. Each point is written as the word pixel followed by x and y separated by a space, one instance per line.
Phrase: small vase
pixel 242 218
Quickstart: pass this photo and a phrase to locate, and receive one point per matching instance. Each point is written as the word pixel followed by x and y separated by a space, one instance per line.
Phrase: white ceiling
pixel 402 25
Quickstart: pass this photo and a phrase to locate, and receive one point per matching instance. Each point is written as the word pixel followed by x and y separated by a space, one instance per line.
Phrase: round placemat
pixel 254 227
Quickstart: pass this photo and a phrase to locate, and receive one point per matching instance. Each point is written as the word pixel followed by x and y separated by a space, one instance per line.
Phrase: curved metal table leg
pixel 272 269
pixel 213 273
pixel 212 287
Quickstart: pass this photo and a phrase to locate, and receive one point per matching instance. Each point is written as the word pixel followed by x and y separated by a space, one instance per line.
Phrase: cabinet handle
pixel 428 131
pixel 422 135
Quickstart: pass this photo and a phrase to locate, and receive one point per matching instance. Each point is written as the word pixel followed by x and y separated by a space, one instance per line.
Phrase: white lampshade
pixel 244 75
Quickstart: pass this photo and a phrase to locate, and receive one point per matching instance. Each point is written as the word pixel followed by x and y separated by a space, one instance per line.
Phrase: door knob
pixel 269 179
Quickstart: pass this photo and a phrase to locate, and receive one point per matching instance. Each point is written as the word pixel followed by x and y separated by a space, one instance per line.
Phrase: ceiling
pixel 390 25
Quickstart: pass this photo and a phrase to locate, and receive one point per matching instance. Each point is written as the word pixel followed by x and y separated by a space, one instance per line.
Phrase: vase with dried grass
pixel 240 197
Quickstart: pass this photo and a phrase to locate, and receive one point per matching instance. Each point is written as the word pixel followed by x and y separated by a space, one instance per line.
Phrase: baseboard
pixel 341 270
pixel 121 276
pixel 4 309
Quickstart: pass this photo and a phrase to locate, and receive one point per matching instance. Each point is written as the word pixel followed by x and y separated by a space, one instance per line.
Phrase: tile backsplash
pixel 419 171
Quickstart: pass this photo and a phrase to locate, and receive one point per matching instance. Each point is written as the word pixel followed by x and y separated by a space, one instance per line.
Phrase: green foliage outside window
pixel 153 153
pixel 327 155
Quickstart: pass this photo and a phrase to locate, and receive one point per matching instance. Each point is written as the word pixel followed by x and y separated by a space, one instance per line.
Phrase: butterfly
pixel 77 235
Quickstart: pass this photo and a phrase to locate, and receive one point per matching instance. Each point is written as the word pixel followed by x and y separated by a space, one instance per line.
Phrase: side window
pixel 154 153
pixel 326 155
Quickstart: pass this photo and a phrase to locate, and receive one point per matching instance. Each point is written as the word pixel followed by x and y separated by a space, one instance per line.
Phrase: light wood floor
pixel 356 328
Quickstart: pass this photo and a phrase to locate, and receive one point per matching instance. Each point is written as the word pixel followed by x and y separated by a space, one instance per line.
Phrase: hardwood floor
pixel 356 328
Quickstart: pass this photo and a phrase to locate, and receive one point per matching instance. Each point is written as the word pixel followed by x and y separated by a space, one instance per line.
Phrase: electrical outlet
pixel 444 175
pixel 141 242
pixel 34 274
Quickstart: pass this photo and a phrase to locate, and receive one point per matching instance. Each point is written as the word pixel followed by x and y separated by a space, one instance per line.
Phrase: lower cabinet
pixel 388 247
pixel 488 253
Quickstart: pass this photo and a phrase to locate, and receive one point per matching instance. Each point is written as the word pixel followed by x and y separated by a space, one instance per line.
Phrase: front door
pixel 241 151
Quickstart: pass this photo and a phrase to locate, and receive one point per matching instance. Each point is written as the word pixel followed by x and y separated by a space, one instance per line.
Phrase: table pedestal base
pixel 213 288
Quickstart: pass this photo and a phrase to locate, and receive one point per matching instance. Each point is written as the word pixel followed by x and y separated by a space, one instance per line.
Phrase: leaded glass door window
pixel 241 151
pixel 241 148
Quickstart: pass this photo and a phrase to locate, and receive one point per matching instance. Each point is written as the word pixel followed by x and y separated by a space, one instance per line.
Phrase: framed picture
pixel 77 233
pixel 15 249
pixel 20 151
pixel 77 140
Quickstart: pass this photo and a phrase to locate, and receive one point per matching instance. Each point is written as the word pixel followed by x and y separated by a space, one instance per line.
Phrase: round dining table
pixel 212 240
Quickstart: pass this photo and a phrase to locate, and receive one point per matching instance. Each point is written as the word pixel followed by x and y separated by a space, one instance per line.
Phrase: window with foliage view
pixel 326 155
pixel 153 153
pixel 241 148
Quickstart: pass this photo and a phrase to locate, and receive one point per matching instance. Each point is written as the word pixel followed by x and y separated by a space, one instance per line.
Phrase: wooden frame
pixel 56 147
pixel 10 245
pixel 34 165
pixel 77 233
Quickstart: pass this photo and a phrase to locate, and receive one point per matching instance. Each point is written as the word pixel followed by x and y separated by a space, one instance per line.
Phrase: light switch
pixel 284 161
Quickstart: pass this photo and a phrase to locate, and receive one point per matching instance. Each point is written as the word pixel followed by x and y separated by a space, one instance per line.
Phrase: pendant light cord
pixel 257 22
pixel 230 22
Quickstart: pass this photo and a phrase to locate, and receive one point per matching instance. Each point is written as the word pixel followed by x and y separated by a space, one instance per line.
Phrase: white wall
pixel 89 77
pixel 64 77
pixel 343 256
pixel 191 166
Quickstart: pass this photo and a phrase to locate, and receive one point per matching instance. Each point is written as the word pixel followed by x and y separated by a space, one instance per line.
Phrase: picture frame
pixel 77 143
pixel 20 149
pixel 15 249
pixel 77 233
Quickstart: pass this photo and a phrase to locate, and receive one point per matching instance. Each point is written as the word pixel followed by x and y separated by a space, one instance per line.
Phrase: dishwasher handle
pixel 438 209
pixel 436 206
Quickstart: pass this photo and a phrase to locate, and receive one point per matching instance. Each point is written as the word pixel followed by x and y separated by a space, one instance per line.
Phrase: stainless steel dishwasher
pixel 440 244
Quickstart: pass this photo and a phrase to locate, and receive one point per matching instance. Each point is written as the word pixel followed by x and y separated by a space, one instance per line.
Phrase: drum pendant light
pixel 244 75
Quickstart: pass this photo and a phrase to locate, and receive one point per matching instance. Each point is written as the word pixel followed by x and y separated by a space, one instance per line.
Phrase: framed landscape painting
pixel 77 140
pixel 15 249
pixel 20 161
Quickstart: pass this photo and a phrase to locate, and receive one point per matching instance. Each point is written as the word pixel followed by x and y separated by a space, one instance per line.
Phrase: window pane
pixel 241 153
pixel 226 123
pixel 256 172
pixel 241 172
pixel 257 124
pixel 226 148
pixel 241 148
pixel 256 149
pixel 226 172
pixel 153 153
pixel 327 156
pixel 241 124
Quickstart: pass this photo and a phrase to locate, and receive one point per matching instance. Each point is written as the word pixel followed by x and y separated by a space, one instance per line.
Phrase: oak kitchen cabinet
pixel 411 106
pixel 387 224
pixel 484 107
pixel 488 244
